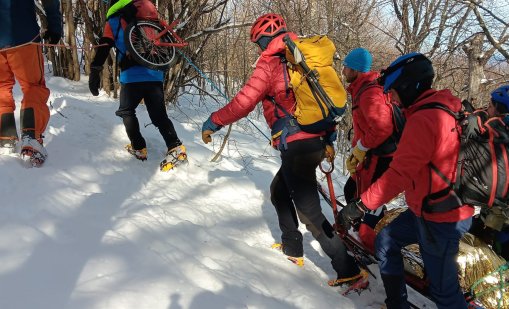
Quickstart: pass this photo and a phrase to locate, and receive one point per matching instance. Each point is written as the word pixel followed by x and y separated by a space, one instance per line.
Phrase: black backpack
pixel 483 164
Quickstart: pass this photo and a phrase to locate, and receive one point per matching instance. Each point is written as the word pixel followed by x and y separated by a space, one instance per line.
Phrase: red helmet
pixel 267 25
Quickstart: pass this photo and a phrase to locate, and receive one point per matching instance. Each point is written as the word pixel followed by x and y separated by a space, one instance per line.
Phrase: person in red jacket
pixel 436 219
pixel 374 141
pixel 294 188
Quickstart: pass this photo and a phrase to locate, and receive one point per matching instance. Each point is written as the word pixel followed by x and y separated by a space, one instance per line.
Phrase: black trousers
pixel 294 191
pixel 152 93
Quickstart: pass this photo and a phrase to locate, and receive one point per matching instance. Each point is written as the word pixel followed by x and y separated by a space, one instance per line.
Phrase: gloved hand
pixel 208 129
pixel 51 37
pixel 351 164
pixel 329 153
pixel 353 211
pixel 94 80
pixel 358 154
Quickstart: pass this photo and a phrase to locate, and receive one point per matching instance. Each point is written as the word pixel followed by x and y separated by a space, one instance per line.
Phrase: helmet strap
pixel 264 41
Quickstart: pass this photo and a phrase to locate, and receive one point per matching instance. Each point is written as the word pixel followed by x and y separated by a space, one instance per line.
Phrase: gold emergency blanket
pixel 475 260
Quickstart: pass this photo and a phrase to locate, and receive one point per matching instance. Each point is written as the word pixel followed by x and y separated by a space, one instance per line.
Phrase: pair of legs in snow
pixel 438 245
pixel 294 192
pixel 152 94
pixel 24 63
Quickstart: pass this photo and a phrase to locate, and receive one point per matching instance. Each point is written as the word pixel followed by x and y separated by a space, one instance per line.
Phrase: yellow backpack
pixel 319 93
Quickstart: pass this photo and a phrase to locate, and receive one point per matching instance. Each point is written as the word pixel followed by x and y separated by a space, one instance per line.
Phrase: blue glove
pixel 208 129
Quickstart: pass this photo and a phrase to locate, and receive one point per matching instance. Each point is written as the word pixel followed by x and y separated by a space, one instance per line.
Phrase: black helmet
pixel 410 75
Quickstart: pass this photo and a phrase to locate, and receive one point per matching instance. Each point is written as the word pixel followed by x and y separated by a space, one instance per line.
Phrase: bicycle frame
pixel 169 28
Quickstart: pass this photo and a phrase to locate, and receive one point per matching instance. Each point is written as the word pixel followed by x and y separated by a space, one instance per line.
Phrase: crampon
pixel 299 261
pixel 138 154
pixel 33 152
pixel 174 157
pixel 357 283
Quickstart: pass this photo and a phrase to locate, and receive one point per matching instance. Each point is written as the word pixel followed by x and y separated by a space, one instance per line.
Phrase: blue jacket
pixel 18 21
pixel 135 73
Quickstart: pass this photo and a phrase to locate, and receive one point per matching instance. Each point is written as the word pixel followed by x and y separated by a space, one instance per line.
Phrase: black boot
pixel 395 289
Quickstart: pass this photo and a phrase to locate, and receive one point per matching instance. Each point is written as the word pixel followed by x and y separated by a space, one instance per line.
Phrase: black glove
pixel 51 37
pixel 94 80
pixel 353 211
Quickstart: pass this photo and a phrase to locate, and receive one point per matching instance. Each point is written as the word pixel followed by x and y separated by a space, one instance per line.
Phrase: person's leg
pixel 7 106
pixel 291 237
pixel 439 246
pixel 299 164
pixel 27 64
pixel 388 244
pixel 156 108
pixel 130 96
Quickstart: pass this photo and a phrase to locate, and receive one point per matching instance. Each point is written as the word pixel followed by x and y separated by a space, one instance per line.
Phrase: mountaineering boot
pixel 33 151
pixel 395 290
pixel 7 146
pixel 138 154
pixel 174 157
pixel 299 261
pixel 355 283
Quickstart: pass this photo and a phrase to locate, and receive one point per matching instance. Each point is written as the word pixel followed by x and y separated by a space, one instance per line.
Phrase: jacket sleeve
pixel 415 151
pixel 102 52
pixel 378 115
pixel 52 9
pixel 254 91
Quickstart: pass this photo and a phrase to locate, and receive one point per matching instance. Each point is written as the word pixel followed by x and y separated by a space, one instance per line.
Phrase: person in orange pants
pixel 22 60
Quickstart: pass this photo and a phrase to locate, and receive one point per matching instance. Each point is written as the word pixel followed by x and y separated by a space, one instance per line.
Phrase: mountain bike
pixel 153 43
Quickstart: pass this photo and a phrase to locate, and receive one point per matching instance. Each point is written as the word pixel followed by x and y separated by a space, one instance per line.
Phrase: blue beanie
pixel 359 59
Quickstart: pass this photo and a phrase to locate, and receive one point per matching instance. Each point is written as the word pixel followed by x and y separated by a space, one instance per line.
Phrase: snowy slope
pixel 95 228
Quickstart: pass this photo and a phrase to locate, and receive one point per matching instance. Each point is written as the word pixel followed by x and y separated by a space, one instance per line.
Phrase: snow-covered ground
pixel 95 228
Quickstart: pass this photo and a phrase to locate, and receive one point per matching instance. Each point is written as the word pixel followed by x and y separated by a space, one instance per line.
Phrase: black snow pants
pixel 152 93
pixel 294 191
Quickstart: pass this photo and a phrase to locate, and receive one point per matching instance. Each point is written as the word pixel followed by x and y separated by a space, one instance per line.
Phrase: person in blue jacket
pixel 21 59
pixel 137 83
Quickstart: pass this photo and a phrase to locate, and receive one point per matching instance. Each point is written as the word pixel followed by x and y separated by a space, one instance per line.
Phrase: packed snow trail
pixel 96 228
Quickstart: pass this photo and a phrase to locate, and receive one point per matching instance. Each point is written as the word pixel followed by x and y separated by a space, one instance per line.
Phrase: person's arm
pixel 378 115
pixel 101 54
pixel 415 151
pixel 245 101
pixel 54 18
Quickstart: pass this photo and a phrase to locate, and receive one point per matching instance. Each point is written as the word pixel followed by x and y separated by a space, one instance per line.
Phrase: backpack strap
pixel 398 120
pixel 451 186
pixel 283 127
pixel 278 106
pixel 361 91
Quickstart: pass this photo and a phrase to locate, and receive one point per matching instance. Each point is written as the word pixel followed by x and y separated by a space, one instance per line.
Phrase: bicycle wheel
pixel 138 37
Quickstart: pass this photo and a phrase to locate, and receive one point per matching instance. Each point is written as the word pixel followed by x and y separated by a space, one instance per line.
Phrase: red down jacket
pixel 372 122
pixel 430 136
pixel 270 78
pixel 372 116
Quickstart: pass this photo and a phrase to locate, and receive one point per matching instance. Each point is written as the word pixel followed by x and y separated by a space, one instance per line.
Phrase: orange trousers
pixel 26 65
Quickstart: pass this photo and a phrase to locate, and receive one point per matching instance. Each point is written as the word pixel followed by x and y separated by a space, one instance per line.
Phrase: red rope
pixel 31 42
